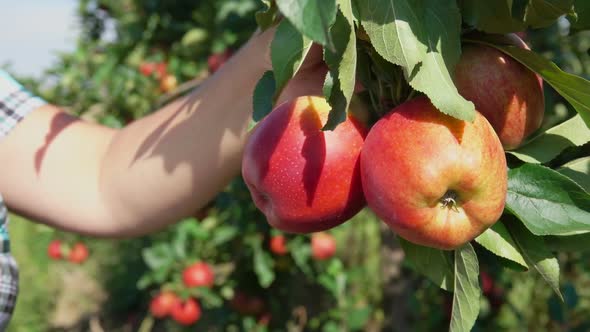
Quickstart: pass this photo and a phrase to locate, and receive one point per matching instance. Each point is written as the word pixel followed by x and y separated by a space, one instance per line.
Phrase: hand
pixel 309 79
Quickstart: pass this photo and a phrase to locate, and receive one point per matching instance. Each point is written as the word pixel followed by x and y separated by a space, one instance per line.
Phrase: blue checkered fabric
pixel 15 103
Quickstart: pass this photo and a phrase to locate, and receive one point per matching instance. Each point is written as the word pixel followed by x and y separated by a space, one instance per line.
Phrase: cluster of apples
pixel 184 311
pixel 433 179
pixel 159 70
pixel 77 253
pixel 323 245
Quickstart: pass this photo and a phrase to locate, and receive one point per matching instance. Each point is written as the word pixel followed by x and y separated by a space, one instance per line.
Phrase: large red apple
pixel 507 93
pixel 302 178
pixel 435 180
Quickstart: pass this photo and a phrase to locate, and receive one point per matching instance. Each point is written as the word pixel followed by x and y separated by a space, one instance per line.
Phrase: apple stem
pixel 449 200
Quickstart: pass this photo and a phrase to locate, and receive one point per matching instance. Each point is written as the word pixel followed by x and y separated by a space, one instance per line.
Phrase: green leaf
pixel 111 121
pixel 208 298
pixel 301 252
pixel 328 85
pixel 582 21
pixel 467 294
pixel 542 13
pixel 159 256
pixel 195 229
pixel 311 17
pixel 497 240
pixel 287 51
pixel 357 318
pixel 575 89
pixel 434 264
pixel 494 16
pixel 442 23
pixel 579 171
pixel 179 243
pixel 263 265
pixel 263 96
pixel 395 29
pixel 194 37
pixel 223 234
pixel 502 16
pixel 330 283
pixel 547 202
pixel 265 18
pixel 342 65
pixel 572 243
pixel 548 145
pixel 536 254
pixel 145 281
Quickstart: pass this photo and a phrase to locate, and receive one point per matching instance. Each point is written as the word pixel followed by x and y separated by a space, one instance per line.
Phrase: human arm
pixel 90 179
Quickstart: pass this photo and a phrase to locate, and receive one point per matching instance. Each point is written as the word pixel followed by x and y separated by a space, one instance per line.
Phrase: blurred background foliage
pixel 365 287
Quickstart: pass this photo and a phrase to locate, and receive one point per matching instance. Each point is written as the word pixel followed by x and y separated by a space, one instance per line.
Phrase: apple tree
pixel 465 58
pixel 227 267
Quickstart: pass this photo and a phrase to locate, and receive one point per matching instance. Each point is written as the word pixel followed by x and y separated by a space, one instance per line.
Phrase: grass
pixel 114 266
pixel 38 284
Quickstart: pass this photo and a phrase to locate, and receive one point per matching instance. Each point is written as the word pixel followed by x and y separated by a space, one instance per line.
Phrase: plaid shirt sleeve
pixel 15 103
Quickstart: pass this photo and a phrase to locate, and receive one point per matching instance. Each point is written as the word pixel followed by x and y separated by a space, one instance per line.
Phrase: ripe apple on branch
pixel 451 92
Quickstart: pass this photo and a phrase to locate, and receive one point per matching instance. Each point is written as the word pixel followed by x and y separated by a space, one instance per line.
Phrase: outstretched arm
pixel 86 178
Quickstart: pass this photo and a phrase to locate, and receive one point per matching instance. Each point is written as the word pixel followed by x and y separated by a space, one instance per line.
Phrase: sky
pixel 31 31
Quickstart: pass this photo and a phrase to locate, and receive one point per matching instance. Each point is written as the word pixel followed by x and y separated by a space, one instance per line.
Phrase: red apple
pixel 158 68
pixel 161 69
pixel 323 246
pixel 435 180
pixel 247 304
pixel 147 68
pixel 198 275
pixel 265 319
pixel 278 245
pixel 302 178
pixel 79 253
pixel 54 250
pixel 239 302
pixel 162 304
pixel 487 283
pixel 215 61
pixel 507 93
pixel 187 312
